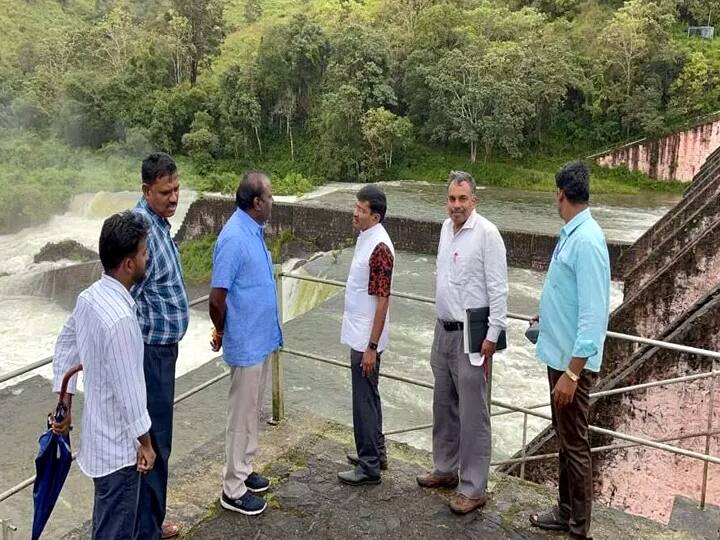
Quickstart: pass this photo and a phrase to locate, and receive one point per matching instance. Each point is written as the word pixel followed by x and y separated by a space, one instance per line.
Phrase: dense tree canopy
pixel 347 87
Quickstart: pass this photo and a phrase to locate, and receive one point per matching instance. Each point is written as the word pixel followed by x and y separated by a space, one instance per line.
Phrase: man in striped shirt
pixel 163 315
pixel 103 334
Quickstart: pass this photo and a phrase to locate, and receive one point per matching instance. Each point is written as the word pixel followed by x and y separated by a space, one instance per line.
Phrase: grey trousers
pixel 462 440
pixel 367 416
pixel 247 385
pixel 115 507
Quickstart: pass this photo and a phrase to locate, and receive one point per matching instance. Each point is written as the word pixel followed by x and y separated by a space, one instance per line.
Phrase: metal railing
pixel 278 402
pixel 631 440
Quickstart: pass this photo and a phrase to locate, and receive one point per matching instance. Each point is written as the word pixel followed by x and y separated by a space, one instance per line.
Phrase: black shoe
pixel 357 478
pixel 248 504
pixel 257 483
pixel 354 460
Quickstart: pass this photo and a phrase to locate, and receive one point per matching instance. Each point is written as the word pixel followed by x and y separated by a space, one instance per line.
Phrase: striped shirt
pixel 103 335
pixel 161 296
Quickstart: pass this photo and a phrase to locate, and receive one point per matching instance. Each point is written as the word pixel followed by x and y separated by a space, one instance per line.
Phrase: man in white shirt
pixel 104 336
pixel 365 330
pixel 471 273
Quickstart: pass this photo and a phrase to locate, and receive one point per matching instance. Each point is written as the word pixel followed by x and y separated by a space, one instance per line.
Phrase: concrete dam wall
pixel 678 156
pixel 331 229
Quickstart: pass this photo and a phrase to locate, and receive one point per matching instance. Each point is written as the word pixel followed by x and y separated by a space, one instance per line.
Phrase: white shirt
pixel 360 307
pixel 104 336
pixel 472 273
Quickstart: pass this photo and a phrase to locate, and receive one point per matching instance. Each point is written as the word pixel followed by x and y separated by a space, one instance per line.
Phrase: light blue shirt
pixel 242 265
pixel 575 300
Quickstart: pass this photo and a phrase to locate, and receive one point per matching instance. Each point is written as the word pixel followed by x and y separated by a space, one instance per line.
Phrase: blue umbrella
pixel 52 464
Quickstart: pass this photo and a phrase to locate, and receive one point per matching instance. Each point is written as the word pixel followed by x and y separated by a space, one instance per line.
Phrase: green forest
pixel 341 90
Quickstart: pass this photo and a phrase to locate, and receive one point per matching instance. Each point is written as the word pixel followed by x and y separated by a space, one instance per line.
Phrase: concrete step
pixel 687 516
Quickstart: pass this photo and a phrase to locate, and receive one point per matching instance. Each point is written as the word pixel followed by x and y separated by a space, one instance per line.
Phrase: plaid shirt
pixel 161 298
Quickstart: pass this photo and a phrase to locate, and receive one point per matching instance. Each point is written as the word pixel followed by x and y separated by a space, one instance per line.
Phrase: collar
pixel 469 222
pixel 575 222
pixel 114 285
pixel 370 230
pixel 249 223
pixel 157 218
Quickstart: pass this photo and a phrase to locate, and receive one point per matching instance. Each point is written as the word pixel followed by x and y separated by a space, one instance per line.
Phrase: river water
pixel 312 314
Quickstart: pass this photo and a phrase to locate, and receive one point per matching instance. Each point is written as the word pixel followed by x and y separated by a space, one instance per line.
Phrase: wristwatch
pixel 574 378
pixel 372 346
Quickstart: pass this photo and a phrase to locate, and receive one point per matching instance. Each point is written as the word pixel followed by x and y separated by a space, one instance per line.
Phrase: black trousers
pixel 367 416
pixel 115 505
pixel 160 363
pixel 575 480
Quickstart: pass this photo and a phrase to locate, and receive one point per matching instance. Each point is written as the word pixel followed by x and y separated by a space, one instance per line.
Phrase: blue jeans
pixel 115 506
pixel 160 383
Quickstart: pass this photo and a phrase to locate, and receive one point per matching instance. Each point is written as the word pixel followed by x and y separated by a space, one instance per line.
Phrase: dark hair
pixel 157 165
pixel 574 180
pixel 375 197
pixel 120 238
pixel 251 186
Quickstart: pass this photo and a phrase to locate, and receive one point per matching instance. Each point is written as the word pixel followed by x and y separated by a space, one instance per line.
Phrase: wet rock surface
pixel 65 250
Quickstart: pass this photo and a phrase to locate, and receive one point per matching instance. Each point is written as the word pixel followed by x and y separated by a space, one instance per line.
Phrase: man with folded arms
pixel 104 336
pixel 574 310
pixel 471 273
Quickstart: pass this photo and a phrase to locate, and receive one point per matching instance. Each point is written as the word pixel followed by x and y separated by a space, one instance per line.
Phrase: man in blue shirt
pixel 244 311
pixel 574 309
pixel 163 315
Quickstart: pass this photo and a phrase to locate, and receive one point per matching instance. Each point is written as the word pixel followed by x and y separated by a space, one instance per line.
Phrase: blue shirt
pixel 160 296
pixel 575 300
pixel 242 266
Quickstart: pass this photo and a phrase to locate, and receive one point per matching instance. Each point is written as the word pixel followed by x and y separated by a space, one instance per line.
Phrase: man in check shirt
pixel 163 314
pixel 103 335
pixel 471 273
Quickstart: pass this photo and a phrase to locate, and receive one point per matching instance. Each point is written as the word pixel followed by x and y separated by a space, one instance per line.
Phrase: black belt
pixel 452 326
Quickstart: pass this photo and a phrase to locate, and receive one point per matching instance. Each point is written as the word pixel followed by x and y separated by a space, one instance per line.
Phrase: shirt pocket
pixel 460 269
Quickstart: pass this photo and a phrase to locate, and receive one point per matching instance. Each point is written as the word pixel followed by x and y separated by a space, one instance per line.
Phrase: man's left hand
pixel 564 392
pixel 487 350
pixel 369 362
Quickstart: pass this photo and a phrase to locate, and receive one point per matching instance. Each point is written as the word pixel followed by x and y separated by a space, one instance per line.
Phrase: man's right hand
pixel 61 428
pixel 216 340
pixel 145 457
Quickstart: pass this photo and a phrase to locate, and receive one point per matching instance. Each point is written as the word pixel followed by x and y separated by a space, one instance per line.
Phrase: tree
pixel 637 35
pixel 480 98
pixel 253 10
pixel 239 110
pixel 384 132
pixel 201 142
pixel 360 60
pixel 696 90
pixel 285 108
pixel 206 30
pixel 336 127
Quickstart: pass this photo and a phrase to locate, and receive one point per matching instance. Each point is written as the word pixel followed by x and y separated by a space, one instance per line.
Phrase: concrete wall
pixel 330 229
pixel 677 156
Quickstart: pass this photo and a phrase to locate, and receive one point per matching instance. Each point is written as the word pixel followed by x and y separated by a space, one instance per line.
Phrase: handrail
pixel 182 397
pixel 516 316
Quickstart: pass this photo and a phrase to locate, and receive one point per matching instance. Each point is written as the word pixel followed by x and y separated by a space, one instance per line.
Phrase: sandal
pixel 549 521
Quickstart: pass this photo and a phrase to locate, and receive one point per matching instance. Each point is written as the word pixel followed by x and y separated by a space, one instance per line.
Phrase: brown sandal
pixel 549 521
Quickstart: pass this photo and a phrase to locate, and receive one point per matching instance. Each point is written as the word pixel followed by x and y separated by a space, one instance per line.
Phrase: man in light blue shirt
pixel 574 309
pixel 244 310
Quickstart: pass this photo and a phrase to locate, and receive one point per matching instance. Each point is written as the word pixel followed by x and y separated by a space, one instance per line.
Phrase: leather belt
pixel 452 326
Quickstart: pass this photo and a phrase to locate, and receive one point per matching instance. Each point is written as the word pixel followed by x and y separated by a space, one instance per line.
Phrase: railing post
pixel 708 438
pixel 524 444
pixel 278 398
